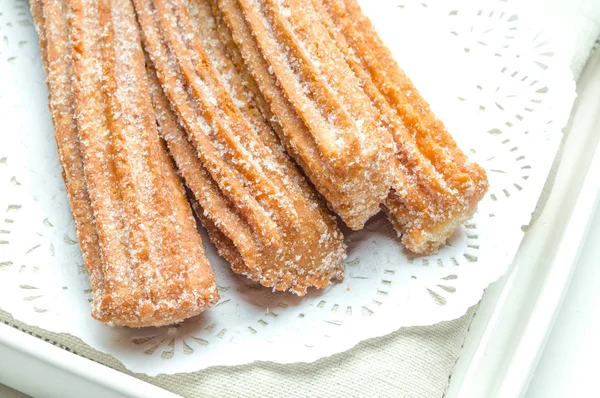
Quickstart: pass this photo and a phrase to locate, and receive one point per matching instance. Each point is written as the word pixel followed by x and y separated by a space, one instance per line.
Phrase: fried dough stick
pixel 135 226
pixel 329 127
pixel 256 206
pixel 436 187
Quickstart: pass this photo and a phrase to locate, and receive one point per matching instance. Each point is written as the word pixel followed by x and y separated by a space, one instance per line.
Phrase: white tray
pixel 40 369
pixel 507 334
pixel 517 313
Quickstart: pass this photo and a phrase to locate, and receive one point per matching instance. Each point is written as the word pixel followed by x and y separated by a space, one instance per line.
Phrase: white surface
pixel 569 364
pixel 517 313
pixel 505 100
pixel 39 369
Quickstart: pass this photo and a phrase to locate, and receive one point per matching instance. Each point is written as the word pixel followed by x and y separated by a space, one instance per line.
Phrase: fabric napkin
pixel 412 362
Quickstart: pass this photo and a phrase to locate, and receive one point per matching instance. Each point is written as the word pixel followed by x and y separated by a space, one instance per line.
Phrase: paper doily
pixel 494 75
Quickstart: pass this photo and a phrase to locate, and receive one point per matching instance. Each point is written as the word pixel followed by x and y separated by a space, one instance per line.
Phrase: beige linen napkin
pixel 412 362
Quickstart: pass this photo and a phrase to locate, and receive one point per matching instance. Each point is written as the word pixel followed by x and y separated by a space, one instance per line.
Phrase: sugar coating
pixel 333 134
pixel 257 207
pixel 435 187
pixel 135 227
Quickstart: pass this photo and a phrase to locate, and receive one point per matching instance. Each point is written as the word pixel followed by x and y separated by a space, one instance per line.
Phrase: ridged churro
pixel 258 209
pixel 50 15
pixel 436 188
pixel 136 230
pixel 229 89
pixel 328 125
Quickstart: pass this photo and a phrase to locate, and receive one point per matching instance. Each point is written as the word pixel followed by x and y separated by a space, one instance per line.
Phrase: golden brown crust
pixel 58 63
pixel 206 191
pixel 436 187
pixel 256 206
pixel 333 134
pixel 135 227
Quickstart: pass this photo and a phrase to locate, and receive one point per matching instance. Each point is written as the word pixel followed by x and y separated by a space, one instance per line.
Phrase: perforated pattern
pixel 492 73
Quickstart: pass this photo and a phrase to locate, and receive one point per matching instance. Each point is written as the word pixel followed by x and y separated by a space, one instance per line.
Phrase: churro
pixel 50 15
pixel 135 227
pixel 258 210
pixel 328 125
pixel 436 188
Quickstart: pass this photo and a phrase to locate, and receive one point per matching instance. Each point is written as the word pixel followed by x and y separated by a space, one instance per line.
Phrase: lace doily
pixel 493 73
